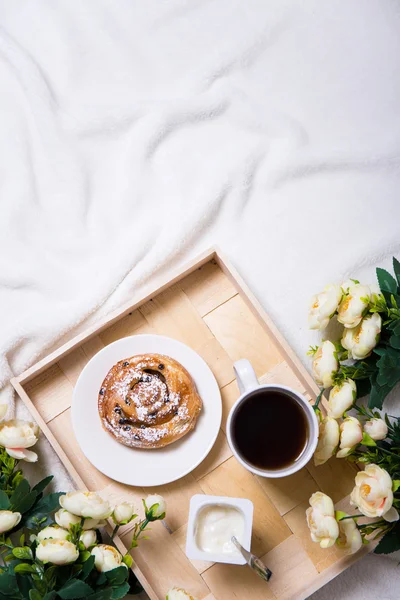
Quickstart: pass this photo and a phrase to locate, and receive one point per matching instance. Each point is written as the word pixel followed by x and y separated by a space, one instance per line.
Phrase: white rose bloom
pixel 88 538
pixel 154 499
pixel 321 520
pixel 106 558
pixel 361 340
pixel 52 532
pixel 323 306
pixel 350 435
pixel 22 454
pixel 354 305
pixel 328 440
pixel 325 364
pixel 57 552
pixel 376 429
pixel 350 538
pixel 373 494
pixel 123 513
pixel 178 594
pixel 341 398
pixel 8 520
pixel 65 519
pixel 86 504
pixel 94 523
pixel 18 434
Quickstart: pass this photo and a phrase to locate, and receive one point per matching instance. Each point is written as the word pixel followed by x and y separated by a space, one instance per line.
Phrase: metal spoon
pixel 253 561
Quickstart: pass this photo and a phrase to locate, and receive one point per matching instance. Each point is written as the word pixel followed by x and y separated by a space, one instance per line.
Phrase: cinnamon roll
pixel 148 401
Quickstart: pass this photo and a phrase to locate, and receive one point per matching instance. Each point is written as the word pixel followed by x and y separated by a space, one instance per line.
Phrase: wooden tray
pixel 208 307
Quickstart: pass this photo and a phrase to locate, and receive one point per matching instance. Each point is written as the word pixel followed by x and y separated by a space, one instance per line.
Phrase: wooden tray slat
pixel 208 307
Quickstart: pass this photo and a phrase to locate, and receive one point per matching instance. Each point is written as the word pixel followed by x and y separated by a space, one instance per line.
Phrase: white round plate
pixel 155 466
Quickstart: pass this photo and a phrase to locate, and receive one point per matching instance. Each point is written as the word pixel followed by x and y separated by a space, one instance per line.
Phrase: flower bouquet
pixel 364 363
pixel 51 545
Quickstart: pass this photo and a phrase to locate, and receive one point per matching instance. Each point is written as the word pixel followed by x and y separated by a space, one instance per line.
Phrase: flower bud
pixel 8 520
pixel 52 532
pixel 361 340
pixel 376 429
pixel 123 513
pixel 350 435
pixel 106 558
pixel 178 594
pixel 155 507
pixel 328 440
pixel 323 306
pixel 341 398
pixel 321 520
pixel 88 538
pixel 325 364
pixel 354 305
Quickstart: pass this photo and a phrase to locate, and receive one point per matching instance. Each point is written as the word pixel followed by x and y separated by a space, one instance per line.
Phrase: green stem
pixel 318 399
pixel 114 533
pixel 140 527
pixel 352 517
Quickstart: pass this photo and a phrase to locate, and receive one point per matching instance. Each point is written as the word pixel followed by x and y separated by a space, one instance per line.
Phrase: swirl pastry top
pixel 148 401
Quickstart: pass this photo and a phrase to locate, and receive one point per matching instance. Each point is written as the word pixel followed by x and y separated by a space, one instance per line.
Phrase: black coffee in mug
pixel 270 429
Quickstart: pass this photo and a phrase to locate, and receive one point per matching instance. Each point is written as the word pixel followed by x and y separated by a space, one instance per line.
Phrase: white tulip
pixel 8 520
pixel 361 340
pixel 86 504
pixel 52 532
pixel 106 558
pixel 373 494
pixel 350 435
pixel 22 454
pixel 178 594
pixel 65 519
pixel 328 440
pixel 341 398
pixel 376 429
pixel 88 538
pixel 123 513
pixel 18 434
pixel 156 507
pixel 321 520
pixel 57 552
pixel 323 306
pixel 325 364
pixel 354 305
pixel 350 538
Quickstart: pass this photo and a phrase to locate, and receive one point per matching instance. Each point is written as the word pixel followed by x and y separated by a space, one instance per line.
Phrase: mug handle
pixel 245 376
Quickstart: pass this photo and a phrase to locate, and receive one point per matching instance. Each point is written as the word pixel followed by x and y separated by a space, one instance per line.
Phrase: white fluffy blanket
pixel 135 133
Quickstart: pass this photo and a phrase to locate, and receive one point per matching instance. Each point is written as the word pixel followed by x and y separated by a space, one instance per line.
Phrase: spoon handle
pixel 253 561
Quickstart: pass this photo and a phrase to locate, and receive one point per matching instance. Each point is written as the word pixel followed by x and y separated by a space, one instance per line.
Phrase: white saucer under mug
pixel 133 466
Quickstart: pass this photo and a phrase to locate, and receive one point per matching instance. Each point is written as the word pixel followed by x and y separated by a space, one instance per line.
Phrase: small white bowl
pixel 197 503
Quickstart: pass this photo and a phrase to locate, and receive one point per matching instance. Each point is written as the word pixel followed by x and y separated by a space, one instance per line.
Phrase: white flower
pixel 156 507
pixel 178 594
pixel 123 513
pixel 65 519
pixel 321 520
pixel 361 340
pixel 18 434
pixel 354 305
pixel 8 520
pixel 86 504
pixel 22 454
pixel 350 435
pixel 376 429
pixel 106 558
pixel 328 440
pixel 88 538
pixel 373 494
pixel 341 398
pixel 325 364
pixel 57 552
pixel 52 532
pixel 350 538
pixel 323 306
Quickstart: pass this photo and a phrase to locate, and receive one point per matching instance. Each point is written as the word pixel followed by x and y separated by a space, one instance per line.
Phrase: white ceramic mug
pixel 248 383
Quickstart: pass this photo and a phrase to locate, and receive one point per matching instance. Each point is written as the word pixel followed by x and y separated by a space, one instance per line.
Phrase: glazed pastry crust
pixel 148 401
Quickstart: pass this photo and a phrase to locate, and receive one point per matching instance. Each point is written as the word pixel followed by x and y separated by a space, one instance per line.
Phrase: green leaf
pixel 8 584
pixel 22 489
pixel 396 269
pixel 50 595
pixel 24 584
pixel 34 595
pixel 127 560
pixel 390 542
pixel 117 576
pixel 24 553
pixel 101 595
pixel 41 510
pixel 87 567
pixel 26 503
pixel 75 588
pixel 24 568
pixel 367 440
pixel 39 487
pixel 394 341
pixel 387 283
pixel 4 501
pixel 120 592
pixel 395 485
pixel 101 578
